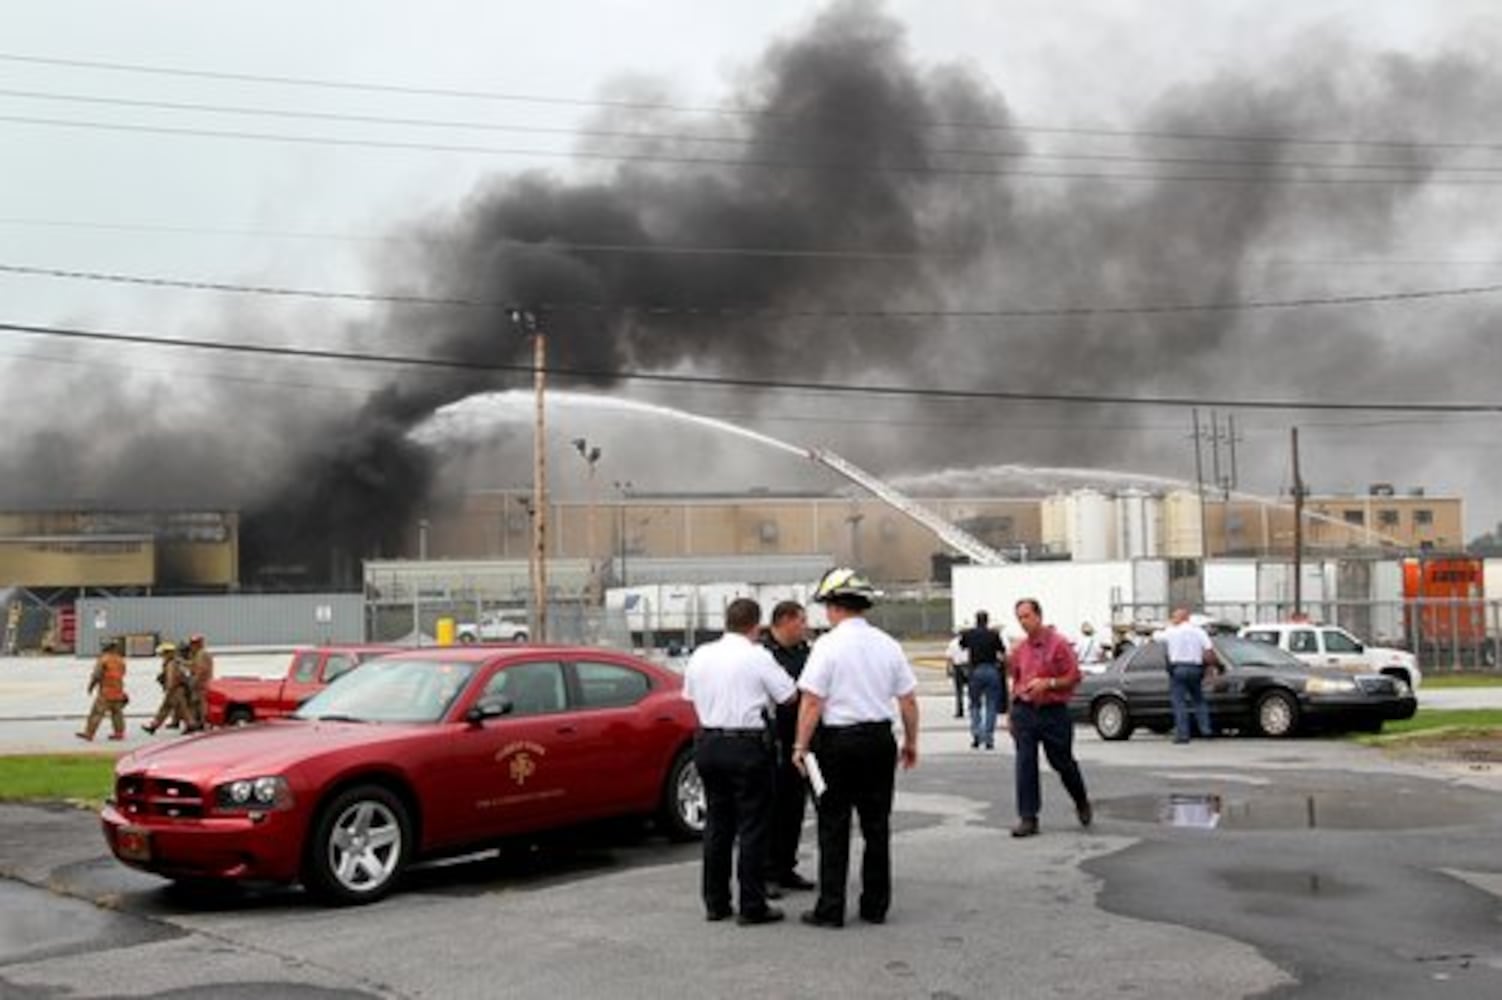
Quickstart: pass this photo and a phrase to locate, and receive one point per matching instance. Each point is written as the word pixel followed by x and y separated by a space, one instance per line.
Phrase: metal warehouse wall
pixel 226 620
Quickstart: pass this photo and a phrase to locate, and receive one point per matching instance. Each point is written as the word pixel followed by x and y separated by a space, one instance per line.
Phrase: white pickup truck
pixel 493 627
pixel 1333 646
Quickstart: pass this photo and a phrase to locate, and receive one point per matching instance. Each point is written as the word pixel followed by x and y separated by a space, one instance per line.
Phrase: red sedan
pixel 414 755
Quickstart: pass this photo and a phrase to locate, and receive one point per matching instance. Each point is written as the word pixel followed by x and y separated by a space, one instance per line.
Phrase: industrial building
pixel 864 531
pixel 120 550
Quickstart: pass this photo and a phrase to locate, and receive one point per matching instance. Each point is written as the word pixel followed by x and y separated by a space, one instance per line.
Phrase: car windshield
pixel 391 690
pixel 1252 653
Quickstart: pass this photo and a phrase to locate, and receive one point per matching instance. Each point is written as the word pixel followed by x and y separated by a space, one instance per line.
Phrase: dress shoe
pixel 959 715
pixel 117 736
pixel 715 916
pixel 768 916
pixel 1025 828
pixel 974 743
pixel 149 728
pixel 812 918
pixel 793 882
pixel 84 736
pixel 990 746
pixel 874 918
pixel 1085 813
pixel 772 891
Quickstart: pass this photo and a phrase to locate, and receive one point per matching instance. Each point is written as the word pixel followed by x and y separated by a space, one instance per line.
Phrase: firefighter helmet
pixel 843 585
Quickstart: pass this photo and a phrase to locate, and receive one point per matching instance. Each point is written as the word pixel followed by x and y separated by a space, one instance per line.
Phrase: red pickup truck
pixel 236 700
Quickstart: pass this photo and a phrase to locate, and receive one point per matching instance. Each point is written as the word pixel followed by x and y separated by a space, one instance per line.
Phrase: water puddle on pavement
pixel 1253 810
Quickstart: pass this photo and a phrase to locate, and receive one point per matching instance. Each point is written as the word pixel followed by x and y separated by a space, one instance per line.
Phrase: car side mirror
pixel 1360 647
pixel 489 708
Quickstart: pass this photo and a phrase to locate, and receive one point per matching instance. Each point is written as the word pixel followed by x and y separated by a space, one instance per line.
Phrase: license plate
pixel 133 844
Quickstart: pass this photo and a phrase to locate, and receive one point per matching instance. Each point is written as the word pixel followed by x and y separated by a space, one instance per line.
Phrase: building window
pixel 1423 516
pixel 1354 517
pixel 1388 518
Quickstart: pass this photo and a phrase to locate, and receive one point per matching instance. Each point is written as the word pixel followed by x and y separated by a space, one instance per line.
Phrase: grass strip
pixel 1439 725
pixel 82 778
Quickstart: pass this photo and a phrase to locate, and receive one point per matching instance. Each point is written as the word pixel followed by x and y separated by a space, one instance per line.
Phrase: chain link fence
pixel 1446 634
pixel 415 621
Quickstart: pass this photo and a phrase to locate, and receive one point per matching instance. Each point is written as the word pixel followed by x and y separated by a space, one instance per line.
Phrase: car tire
pixel 683 806
pixel 1277 714
pixel 360 845
pixel 239 715
pixel 1112 719
pixel 467 638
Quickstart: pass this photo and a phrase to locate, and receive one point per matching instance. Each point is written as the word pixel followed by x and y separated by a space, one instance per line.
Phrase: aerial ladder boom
pixel 956 538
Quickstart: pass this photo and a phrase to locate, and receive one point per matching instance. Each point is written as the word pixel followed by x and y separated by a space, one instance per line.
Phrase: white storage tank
pixel 1092 526
pixel 1139 521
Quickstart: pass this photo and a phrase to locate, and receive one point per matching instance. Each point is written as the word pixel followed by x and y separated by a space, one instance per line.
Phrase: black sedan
pixel 1259 688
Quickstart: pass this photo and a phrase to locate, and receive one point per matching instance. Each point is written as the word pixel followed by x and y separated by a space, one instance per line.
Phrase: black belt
pixel 757 732
pixel 857 727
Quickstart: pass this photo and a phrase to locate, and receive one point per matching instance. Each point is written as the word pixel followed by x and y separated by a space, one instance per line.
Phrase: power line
pixel 1415 175
pixel 506 246
pixel 781 417
pixel 666 249
pixel 597 375
pixel 298 114
pixel 754 312
pixel 734 112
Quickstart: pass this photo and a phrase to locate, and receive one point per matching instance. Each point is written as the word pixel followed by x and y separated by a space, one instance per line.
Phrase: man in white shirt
pixel 856 681
pixel 1190 652
pixel 1088 650
pixel 733 683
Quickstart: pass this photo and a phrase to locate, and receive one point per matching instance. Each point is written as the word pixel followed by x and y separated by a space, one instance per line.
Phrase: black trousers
pixel 789 798
pixel 737 776
pixel 1050 726
pixel 860 768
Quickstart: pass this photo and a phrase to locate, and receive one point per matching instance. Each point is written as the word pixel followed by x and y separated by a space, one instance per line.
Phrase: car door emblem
pixel 524 756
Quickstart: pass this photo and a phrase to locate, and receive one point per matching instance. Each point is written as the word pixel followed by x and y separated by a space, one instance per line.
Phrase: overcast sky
pixel 1085 63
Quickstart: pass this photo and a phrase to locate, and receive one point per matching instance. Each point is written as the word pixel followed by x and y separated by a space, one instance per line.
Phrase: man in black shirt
pixel 988 689
pixel 785 639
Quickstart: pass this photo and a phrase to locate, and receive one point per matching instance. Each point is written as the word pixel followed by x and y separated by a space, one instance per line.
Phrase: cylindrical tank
pixel 1055 523
pixel 1091 526
pixel 1183 532
pixel 1139 517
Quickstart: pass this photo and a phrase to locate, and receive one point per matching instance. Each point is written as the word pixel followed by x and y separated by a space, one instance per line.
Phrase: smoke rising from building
pixel 843 152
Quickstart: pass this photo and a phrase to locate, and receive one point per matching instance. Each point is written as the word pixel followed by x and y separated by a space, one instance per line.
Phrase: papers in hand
pixel 815 775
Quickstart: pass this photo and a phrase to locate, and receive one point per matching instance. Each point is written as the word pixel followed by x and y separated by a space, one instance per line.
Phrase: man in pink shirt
pixel 1044 674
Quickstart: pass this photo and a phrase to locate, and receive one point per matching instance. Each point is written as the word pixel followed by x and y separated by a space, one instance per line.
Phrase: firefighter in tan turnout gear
pixel 107 684
pixel 174 710
pixel 200 672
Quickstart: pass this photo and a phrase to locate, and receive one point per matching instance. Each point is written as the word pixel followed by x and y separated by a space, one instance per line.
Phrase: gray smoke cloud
pixel 843 152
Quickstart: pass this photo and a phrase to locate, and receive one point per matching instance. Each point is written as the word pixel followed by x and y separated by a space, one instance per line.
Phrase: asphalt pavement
pixel 1225 868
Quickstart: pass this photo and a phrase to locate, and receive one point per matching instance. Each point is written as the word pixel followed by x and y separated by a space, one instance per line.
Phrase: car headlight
pixel 260 794
pixel 1330 685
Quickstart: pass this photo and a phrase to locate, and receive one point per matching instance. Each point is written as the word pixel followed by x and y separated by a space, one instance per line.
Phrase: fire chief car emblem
pixel 524 759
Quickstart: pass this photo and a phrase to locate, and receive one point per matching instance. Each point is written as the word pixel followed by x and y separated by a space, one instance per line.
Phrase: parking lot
pixel 1333 870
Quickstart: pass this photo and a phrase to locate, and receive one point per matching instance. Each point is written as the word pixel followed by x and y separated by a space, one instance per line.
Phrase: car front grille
pixel 140 796
pixel 1376 684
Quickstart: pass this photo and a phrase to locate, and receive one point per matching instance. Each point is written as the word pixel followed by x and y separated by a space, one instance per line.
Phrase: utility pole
pixel 1199 483
pixel 538 563
pixel 1298 530
pixel 591 455
pixel 1231 440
